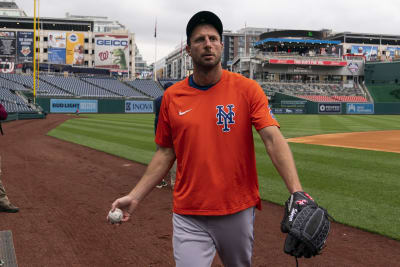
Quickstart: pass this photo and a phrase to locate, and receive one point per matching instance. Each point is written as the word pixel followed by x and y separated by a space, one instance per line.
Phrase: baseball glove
pixel 307 225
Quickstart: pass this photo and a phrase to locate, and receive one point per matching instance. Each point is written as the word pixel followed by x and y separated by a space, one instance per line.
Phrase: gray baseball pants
pixel 197 238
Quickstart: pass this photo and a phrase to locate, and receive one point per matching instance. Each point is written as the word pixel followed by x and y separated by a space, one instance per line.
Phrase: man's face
pixel 205 46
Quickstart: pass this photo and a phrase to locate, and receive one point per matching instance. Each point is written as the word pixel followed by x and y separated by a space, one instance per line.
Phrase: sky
pixel 378 17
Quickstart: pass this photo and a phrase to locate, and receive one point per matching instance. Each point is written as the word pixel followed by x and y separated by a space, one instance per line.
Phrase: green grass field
pixel 358 187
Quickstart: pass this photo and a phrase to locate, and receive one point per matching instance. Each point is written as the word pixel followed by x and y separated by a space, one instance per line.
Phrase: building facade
pixel 81 41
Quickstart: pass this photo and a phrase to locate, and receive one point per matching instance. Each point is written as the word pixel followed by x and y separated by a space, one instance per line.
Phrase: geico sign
pixel 112 42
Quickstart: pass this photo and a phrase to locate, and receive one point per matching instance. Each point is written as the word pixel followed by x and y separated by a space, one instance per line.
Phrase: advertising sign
pixel 138 106
pixel 288 110
pixel 56 44
pixel 25 46
pixel 308 62
pixel 7 66
pixel 329 108
pixel 75 50
pixel 370 52
pixel 112 52
pixel 7 51
pixel 293 103
pixel 71 106
pixel 353 67
pixel 360 108
pixel 394 51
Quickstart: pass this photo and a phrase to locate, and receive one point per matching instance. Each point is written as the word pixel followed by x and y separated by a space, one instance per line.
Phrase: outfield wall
pixel 72 105
pixel 291 106
pixel 387 108
pixel 24 116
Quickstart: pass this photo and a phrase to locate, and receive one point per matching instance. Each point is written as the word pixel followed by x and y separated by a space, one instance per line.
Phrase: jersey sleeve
pixel 261 114
pixel 163 134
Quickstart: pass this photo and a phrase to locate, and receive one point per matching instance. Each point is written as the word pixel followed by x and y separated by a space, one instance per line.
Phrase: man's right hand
pixel 127 204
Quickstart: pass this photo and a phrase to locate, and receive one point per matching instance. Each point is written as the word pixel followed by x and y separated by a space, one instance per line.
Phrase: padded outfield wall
pixel 338 108
pixel 290 105
pixel 286 104
pixel 86 105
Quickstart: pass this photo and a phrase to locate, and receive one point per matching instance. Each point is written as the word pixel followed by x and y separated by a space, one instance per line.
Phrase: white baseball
pixel 116 216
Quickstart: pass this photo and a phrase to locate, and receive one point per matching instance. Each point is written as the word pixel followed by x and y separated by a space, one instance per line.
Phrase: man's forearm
pixel 156 170
pixel 281 156
pixel 283 161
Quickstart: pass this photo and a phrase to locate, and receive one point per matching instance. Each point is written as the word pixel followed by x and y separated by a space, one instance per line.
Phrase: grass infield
pixel 358 187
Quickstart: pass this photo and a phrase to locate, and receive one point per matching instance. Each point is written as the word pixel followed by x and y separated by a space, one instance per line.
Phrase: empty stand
pixel 319 92
pixel 163 82
pixel 12 102
pixel 350 98
pixel 147 87
pixel 11 85
pixel 318 98
pixel 78 87
pixel 25 82
pixel 115 86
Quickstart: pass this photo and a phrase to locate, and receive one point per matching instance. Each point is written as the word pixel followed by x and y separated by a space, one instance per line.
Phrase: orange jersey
pixel 211 133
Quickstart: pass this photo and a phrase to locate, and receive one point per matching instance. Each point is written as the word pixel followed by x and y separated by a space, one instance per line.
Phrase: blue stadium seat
pixel 12 102
pixel 147 87
pixel 78 87
pixel 115 86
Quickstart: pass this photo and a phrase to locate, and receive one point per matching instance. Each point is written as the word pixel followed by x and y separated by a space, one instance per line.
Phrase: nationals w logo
pixel 225 118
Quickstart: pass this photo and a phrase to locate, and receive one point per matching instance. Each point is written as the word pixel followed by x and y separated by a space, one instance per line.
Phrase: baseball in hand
pixel 116 216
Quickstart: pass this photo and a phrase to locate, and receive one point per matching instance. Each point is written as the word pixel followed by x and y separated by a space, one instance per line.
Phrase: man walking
pixel 206 122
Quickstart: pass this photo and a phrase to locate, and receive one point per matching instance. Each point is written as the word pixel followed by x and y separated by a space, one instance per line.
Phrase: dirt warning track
pixel 388 141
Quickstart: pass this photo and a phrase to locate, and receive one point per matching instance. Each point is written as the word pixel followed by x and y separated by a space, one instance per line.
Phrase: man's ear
pixel 188 49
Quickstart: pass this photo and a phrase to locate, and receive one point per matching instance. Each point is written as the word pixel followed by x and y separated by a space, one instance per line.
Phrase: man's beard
pixel 207 65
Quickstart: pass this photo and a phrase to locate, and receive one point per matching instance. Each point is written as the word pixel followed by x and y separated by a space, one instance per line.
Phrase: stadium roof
pixel 7 4
pixel 63 24
pixel 366 38
pixel 299 41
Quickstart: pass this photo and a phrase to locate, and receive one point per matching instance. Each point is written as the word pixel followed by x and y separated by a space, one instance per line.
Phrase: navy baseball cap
pixel 203 17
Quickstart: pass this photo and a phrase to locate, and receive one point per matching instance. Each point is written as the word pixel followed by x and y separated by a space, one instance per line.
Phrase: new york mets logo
pixel 225 118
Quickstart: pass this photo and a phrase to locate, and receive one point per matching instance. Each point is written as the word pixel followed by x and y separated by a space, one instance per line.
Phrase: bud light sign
pixel 73 106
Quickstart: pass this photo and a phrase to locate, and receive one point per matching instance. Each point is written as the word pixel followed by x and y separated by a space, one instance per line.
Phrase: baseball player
pixel 206 122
